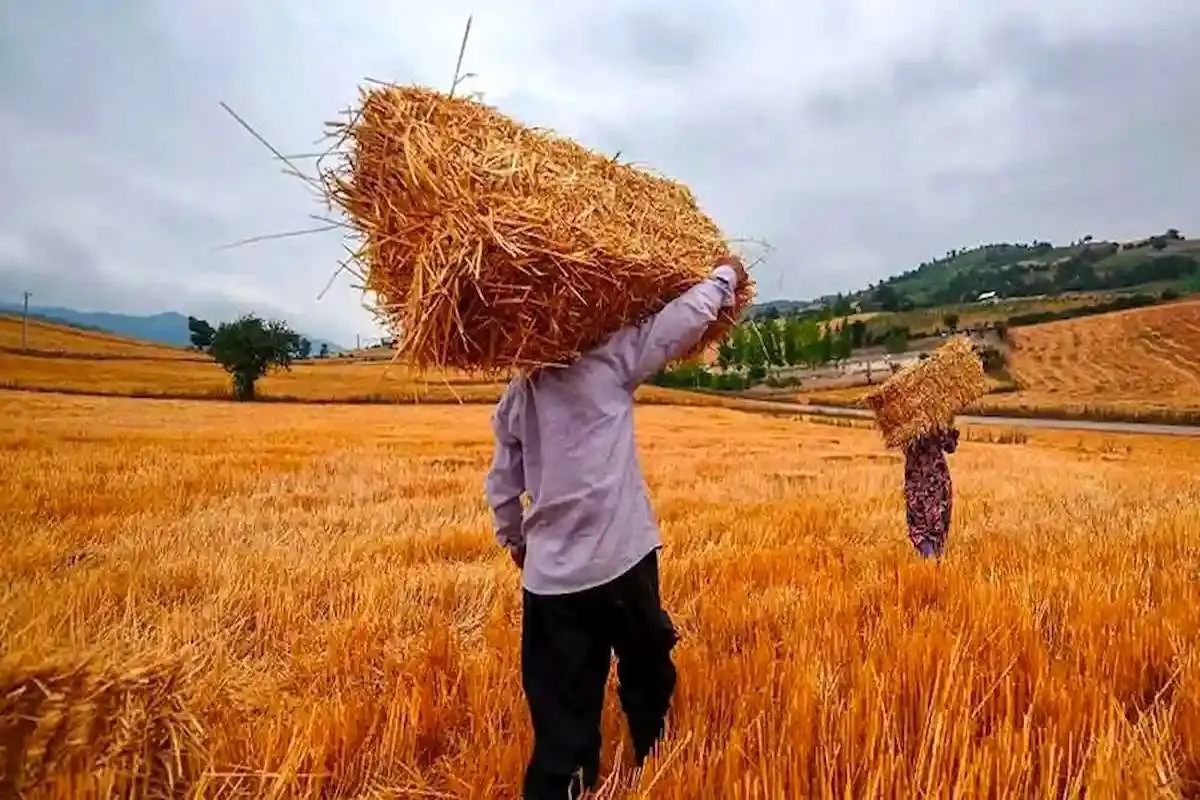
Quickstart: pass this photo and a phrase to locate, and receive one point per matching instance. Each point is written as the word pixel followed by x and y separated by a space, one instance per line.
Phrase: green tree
pixel 896 341
pixel 249 347
pixel 792 345
pixel 727 350
pixel 200 333
pixel 858 334
pixel 324 351
pixel 825 346
pixel 887 298
pixel 771 342
pixel 304 348
pixel 754 354
pixel 844 345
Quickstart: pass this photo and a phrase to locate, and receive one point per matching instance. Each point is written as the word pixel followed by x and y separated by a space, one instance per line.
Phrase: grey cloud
pixel 85 286
pixel 858 138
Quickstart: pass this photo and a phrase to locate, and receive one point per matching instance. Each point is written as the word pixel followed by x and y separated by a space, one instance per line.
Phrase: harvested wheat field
pixel 333 381
pixel 1140 360
pixel 300 602
pixel 48 338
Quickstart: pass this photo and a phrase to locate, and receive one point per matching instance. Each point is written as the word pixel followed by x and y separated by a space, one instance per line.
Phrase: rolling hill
pixel 1040 268
pixel 1166 261
pixel 49 338
pixel 1141 364
pixel 1145 359
pixel 168 328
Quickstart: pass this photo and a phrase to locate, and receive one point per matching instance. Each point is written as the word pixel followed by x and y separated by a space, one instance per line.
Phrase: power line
pixel 25 323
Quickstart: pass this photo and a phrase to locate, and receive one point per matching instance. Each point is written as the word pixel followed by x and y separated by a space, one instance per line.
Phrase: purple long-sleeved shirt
pixel 565 438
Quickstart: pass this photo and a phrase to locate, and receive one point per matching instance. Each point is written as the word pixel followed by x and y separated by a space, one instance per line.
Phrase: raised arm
pixel 505 481
pixel 642 350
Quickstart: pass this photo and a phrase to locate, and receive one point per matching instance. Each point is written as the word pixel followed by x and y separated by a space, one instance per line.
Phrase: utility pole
pixel 25 323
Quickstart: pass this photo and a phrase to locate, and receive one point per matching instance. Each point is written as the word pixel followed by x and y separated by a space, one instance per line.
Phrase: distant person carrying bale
pixel 915 410
pixel 494 248
pixel 928 494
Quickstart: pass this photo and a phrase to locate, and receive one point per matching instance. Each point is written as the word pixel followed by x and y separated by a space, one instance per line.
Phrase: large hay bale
pixel 491 246
pixel 927 396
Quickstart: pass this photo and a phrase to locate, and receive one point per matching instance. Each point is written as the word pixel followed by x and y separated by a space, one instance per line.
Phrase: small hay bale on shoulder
pixel 926 397
pixel 492 247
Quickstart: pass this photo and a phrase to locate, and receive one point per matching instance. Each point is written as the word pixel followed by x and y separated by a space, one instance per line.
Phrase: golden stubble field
pixel 1146 359
pixel 48 338
pixel 71 361
pixel 303 602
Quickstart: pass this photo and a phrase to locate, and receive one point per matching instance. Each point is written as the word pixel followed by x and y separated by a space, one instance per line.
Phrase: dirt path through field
pixel 1141 428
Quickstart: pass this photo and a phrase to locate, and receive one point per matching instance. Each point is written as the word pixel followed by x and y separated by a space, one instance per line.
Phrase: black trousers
pixel 566 645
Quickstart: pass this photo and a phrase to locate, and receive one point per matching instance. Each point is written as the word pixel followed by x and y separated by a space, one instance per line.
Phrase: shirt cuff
pixel 728 278
pixel 726 274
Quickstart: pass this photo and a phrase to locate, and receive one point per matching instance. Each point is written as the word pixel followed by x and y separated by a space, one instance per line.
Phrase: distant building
pixel 988 297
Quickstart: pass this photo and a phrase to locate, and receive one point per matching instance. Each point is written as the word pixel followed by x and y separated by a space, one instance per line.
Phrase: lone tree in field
pixel 249 347
pixel 200 332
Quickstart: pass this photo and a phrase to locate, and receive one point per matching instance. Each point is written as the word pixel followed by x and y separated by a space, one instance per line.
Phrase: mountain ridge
pixel 165 327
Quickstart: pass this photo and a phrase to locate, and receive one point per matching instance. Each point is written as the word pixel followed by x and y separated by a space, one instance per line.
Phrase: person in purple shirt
pixel 588 544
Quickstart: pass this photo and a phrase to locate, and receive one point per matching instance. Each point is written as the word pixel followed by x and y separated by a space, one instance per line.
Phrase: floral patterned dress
pixel 927 490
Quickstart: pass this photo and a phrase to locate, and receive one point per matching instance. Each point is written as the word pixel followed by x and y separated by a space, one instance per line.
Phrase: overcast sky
pixel 858 137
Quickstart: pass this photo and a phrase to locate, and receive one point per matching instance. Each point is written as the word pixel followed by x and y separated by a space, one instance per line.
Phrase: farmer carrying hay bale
pixel 496 248
pixel 915 410
pixel 493 247
pixel 588 545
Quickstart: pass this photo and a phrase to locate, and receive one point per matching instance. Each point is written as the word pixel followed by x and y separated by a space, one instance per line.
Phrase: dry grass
pixel 311 382
pixel 48 338
pixel 493 246
pixel 299 602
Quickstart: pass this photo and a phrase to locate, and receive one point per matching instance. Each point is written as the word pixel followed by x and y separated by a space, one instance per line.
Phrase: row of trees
pixel 250 347
pixel 791 341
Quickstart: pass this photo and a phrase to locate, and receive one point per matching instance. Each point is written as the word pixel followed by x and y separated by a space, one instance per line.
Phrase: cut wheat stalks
pixel 927 396
pixel 493 247
pixel 102 730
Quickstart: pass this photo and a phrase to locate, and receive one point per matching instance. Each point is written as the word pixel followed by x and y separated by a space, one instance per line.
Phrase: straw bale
pixel 926 397
pixel 491 246
pixel 103 732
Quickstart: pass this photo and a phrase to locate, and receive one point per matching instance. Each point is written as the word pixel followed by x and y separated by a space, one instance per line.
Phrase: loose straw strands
pixel 124 732
pixel 491 246
pixel 926 397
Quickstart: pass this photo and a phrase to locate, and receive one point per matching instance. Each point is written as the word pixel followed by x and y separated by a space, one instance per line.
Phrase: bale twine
pixel 74 727
pixel 926 397
pixel 492 247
